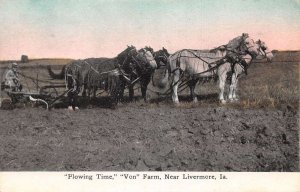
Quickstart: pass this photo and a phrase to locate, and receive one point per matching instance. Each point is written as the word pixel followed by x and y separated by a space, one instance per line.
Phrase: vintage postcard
pixel 149 95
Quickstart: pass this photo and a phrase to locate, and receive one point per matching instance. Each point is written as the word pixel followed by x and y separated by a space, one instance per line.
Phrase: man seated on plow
pixel 11 80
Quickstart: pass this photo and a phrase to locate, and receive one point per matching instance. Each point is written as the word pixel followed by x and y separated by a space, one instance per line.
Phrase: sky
pixel 103 28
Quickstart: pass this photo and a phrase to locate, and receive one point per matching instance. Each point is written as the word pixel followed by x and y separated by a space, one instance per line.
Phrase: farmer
pixel 12 78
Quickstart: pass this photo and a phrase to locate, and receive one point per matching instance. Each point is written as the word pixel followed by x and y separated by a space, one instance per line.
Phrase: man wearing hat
pixel 12 78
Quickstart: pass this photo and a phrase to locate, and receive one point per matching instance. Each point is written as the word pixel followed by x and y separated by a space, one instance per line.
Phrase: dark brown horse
pixel 76 75
pixel 136 66
pixel 161 57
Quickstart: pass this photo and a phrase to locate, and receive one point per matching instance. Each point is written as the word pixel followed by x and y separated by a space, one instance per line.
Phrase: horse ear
pixel 245 35
pixel 222 47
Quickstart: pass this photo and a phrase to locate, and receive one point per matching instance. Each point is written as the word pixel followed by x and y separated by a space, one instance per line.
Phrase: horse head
pixel 161 56
pixel 248 46
pixel 125 59
pixel 145 60
pixel 258 48
pixel 125 56
pixel 265 49
pixel 242 48
pixel 148 48
pixel 165 51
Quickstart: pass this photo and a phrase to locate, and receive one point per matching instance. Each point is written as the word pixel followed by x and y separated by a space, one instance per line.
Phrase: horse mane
pixel 126 50
pixel 236 42
pixel 222 47
pixel 165 51
pixel 261 44
pixel 122 56
pixel 148 48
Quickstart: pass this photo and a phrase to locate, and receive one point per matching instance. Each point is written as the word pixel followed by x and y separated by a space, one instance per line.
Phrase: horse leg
pixel 144 89
pixel 75 102
pixel 73 92
pixel 144 84
pixel 70 93
pixel 222 73
pixel 114 86
pixel 222 88
pixel 131 92
pixel 233 87
pixel 84 90
pixel 175 83
pixel 72 97
pixel 234 80
pixel 89 91
pixel 121 90
pixel 192 84
pixel 70 101
pixel 235 90
pixel 75 96
pixel 94 91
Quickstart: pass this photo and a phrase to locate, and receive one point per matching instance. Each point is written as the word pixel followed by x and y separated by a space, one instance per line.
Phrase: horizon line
pixel 64 58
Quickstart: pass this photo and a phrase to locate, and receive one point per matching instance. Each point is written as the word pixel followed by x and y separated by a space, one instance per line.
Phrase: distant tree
pixel 24 59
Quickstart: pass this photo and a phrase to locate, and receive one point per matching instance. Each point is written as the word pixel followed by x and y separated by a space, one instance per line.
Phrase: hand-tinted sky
pixel 103 28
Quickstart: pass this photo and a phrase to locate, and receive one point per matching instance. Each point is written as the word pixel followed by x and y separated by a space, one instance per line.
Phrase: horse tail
pixel 61 75
pixel 163 82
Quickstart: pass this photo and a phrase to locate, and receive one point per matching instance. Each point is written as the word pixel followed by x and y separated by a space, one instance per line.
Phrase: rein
pixel 217 63
pixel 137 63
pixel 91 67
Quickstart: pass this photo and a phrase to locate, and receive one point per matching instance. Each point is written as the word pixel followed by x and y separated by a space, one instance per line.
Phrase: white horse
pixel 196 64
pixel 259 49
pixel 193 65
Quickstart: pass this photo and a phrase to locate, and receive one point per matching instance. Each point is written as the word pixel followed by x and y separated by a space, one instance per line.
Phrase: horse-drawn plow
pixel 155 136
pixel 46 94
pixel 33 88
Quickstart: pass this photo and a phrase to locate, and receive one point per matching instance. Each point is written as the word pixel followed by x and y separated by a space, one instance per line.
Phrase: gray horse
pixel 76 75
pixel 99 77
pixel 261 50
pixel 196 64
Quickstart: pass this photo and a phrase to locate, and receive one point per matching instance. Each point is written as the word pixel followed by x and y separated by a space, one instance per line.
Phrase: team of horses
pixel 185 66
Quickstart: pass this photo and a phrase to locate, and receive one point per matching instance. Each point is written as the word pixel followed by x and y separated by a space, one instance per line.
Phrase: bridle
pixel 142 60
pixel 260 51
pixel 129 55
pixel 135 63
pixel 263 48
pixel 161 56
